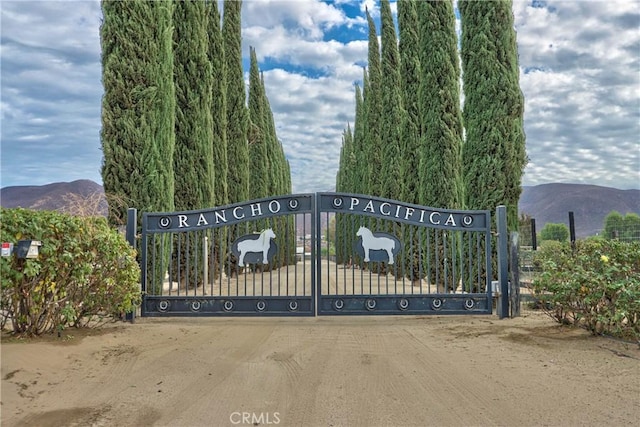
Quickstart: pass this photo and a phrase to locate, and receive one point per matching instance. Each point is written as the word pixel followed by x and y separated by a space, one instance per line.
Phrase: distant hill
pixel 546 203
pixel 590 205
pixel 77 197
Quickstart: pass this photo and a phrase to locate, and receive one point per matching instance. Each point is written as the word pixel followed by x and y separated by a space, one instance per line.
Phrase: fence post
pixel 514 286
pixel 503 277
pixel 132 227
pixel 572 231
pixel 534 237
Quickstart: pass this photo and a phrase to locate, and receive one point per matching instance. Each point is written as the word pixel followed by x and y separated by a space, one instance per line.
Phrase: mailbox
pixel 7 249
pixel 28 248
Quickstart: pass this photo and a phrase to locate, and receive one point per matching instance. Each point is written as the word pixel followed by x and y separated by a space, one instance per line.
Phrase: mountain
pixel 546 203
pixel 590 205
pixel 78 197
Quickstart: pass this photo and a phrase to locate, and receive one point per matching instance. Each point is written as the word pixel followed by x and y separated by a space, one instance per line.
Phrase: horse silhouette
pixel 262 243
pixel 371 242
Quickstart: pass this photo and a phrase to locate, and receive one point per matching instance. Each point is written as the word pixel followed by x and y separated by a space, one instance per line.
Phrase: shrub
pixel 86 271
pixel 596 286
pixel 553 231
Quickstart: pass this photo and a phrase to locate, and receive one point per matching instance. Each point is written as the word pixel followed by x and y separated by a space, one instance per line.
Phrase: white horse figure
pixel 260 244
pixel 371 242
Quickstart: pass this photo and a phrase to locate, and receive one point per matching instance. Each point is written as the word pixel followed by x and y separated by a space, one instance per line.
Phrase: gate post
pixel 503 273
pixel 132 226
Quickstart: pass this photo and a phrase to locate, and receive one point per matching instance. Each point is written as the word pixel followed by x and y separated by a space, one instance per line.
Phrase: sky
pixel 579 72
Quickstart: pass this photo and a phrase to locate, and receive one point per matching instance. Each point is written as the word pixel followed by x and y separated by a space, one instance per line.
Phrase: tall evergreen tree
pixel 344 170
pixel 275 184
pixel 358 162
pixel 343 229
pixel 409 48
pixel 138 114
pixel 373 109
pixel 219 103
pixel 392 110
pixel 138 107
pixel 494 151
pixel 258 160
pixel 237 115
pixel 193 161
pixel 441 117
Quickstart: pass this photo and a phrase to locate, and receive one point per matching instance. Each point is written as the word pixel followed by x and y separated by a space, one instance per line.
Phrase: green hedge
pixel 86 271
pixel 595 285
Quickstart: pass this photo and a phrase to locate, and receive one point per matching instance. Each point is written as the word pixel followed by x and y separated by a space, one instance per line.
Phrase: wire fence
pixel 624 233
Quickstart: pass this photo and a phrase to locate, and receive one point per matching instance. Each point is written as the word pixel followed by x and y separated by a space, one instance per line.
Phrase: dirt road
pixel 325 371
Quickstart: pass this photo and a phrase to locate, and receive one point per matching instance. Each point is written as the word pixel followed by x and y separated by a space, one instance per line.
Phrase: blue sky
pixel 580 74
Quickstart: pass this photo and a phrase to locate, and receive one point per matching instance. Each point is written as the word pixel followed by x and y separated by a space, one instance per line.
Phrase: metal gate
pixel 308 254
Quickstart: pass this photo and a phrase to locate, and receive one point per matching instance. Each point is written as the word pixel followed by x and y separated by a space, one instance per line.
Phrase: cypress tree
pixel 358 162
pixel 258 186
pixel 342 230
pixel 237 115
pixel 194 129
pixel 392 111
pixel 193 160
pixel 219 104
pixel 275 184
pixel 373 108
pixel 440 183
pixel 494 151
pixel 410 74
pixel 219 128
pixel 342 178
pixel 441 118
pixel 138 107
pixel 138 114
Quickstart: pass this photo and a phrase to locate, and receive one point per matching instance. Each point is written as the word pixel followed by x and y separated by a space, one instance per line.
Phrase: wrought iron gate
pixel 324 253
pixel 381 256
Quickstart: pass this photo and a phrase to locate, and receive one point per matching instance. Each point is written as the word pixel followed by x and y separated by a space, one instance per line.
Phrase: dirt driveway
pixel 325 371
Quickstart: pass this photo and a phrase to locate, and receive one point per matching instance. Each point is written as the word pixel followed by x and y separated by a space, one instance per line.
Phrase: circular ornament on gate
pixel 370 304
pixel 436 304
pixel 261 305
pixel 293 305
pixel 196 305
pixel 467 220
pixel 164 222
pixel 403 304
pixel 293 204
pixel 228 305
pixel 469 303
pixel 164 305
pixel 338 304
pixel 337 202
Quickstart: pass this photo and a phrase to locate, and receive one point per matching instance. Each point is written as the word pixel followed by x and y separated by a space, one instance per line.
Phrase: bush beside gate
pixel 595 285
pixel 85 271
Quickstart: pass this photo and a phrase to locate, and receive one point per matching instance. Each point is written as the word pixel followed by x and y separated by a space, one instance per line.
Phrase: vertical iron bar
pixel 205 264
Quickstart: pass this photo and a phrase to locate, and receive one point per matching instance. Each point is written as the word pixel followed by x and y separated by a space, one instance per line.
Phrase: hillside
pixel 77 197
pixel 546 203
pixel 590 205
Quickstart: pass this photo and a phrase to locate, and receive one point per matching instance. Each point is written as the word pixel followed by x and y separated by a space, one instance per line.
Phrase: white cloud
pixel 579 63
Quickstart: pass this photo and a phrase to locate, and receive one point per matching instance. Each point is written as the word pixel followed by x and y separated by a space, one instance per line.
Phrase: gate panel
pixel 243 259
pixel 379 256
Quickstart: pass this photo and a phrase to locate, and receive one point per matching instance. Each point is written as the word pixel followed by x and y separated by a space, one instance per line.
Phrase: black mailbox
pixel 27 248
